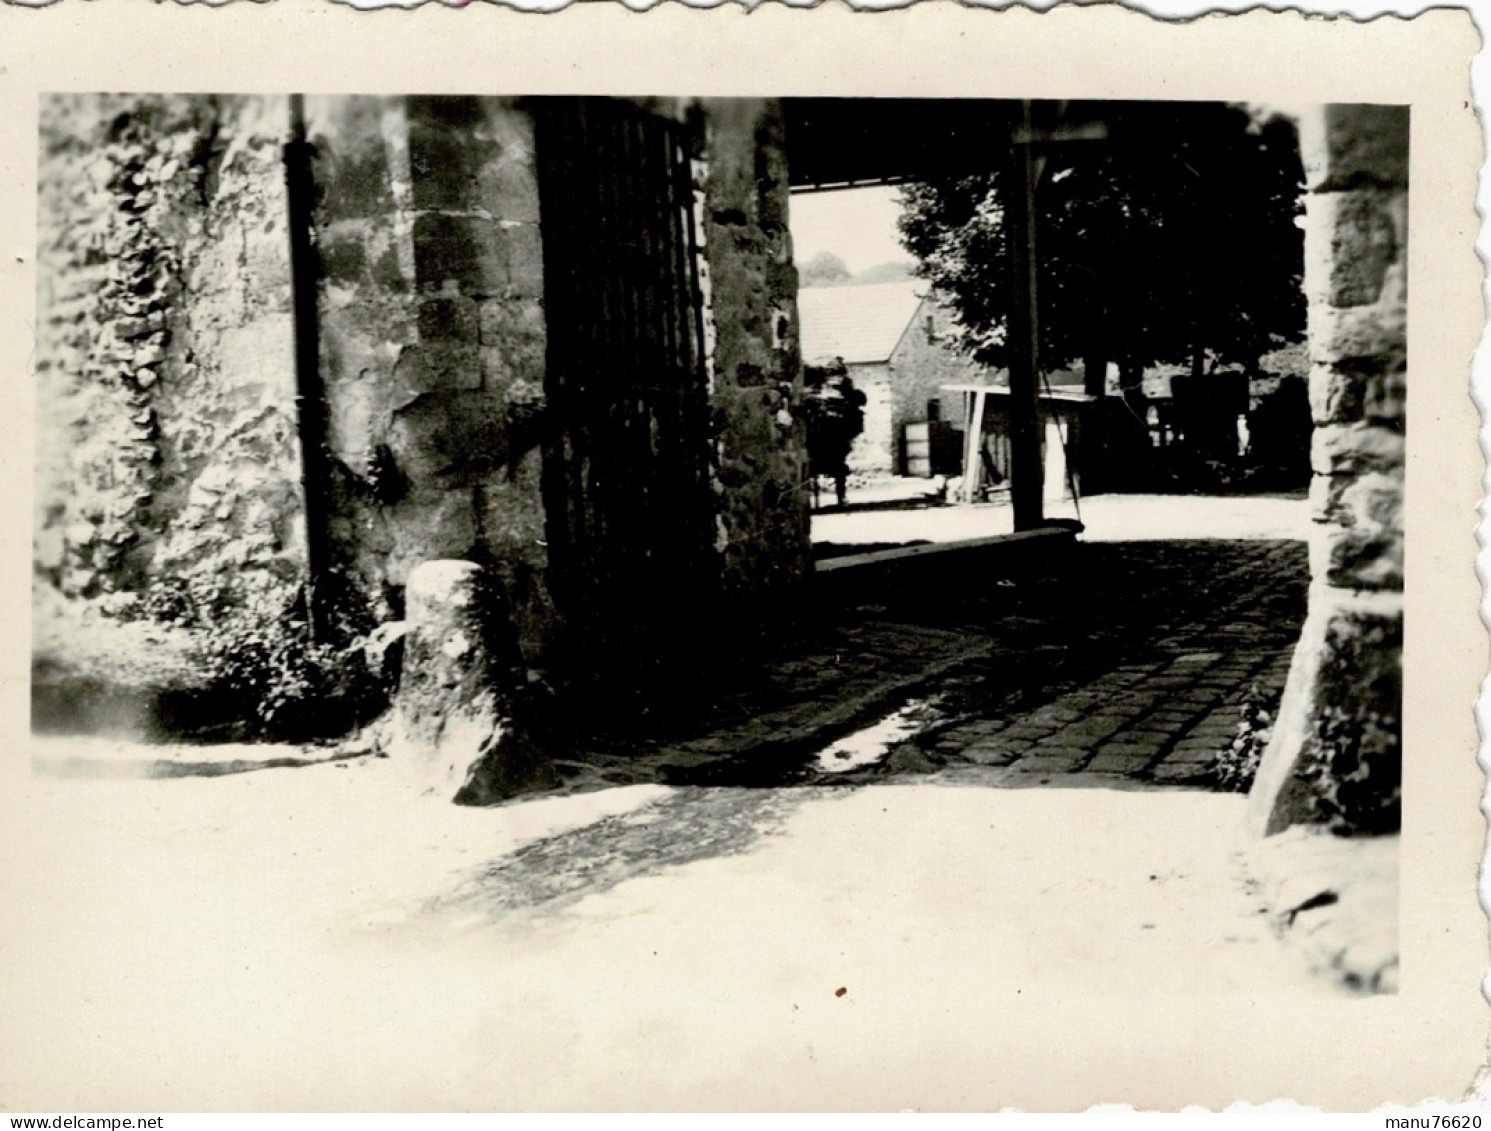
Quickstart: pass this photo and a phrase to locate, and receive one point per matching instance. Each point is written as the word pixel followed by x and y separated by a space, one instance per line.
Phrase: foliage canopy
pixel 1173 240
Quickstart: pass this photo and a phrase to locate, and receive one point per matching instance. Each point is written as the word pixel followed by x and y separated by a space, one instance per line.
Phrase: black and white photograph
pixel 802 600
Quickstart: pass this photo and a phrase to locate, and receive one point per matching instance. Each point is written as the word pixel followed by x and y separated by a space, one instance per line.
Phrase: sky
pixel 857 225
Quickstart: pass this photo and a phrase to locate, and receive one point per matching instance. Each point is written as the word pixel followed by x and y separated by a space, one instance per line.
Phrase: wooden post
pixel 973 444
pixel 1024 341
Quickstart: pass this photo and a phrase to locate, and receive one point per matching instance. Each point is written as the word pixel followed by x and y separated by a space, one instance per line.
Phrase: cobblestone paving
pixel 1164 720
pixel 1122 662
pixel 1148 673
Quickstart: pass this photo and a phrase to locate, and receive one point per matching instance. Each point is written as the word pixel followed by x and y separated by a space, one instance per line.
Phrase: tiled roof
pixel 857 323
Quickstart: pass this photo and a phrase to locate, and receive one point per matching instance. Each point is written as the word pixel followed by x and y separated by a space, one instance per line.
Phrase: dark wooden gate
pixel 627 489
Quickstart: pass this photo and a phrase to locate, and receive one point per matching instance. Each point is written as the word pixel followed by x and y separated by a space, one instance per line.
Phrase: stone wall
pixel 1337 741
pixel 172 353
pixel 756 381
pixel 923 361
pixel 168 447
pixel 432 341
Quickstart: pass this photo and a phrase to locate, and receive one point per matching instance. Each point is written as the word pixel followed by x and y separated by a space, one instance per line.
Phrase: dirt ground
pixel 325 938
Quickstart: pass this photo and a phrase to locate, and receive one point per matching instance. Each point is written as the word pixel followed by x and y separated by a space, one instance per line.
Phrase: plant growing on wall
pixel 1354 765
pixel 109 325
pixel 170 453
pixel 834 411
pixel 1237 765
pixel 259 663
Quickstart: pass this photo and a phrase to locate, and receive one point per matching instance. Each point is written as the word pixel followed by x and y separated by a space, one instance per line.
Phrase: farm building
pixel 897 342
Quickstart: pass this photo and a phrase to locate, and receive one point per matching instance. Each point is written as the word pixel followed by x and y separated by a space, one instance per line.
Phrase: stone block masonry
pixel 1340 719
pixel 432 341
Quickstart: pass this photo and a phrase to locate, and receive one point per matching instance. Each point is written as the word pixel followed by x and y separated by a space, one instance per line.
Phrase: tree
pixel 824 270
pixel 1173 240
pixel 835 414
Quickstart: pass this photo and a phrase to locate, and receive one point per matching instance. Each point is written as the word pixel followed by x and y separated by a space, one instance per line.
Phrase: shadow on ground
pixel 688 825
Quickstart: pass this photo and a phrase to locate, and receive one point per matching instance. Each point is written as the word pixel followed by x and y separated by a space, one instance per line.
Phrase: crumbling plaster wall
pixel 1342 702
pixel 168 448
pixel 432 341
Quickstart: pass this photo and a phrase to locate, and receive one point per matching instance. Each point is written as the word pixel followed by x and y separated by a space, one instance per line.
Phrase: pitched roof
pixel 857 323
